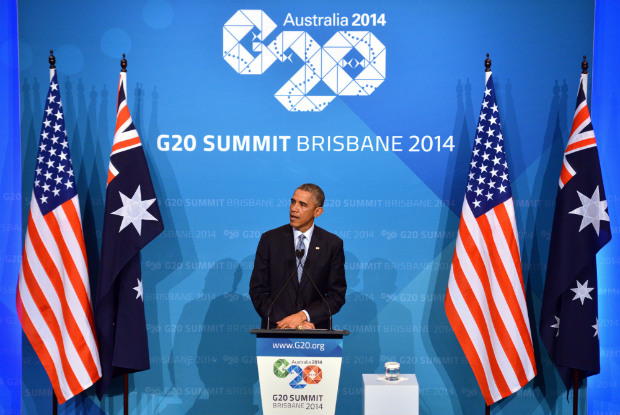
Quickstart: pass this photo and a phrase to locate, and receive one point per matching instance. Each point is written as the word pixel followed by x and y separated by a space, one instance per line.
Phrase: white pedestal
pixel 391 398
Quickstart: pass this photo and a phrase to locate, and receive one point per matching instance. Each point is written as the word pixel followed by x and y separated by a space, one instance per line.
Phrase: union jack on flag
pixel 485 300
pixel 581 134
pixel 53 292
pixel 125 134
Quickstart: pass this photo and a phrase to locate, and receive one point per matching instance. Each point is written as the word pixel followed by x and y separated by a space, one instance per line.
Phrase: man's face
pixel 303 210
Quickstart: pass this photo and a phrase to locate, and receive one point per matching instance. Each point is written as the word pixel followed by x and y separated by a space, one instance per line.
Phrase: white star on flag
pixel 134 211
pixel 556 325
pixel 139 290
pixel 592 210
pixel 595 327
pixel 582 291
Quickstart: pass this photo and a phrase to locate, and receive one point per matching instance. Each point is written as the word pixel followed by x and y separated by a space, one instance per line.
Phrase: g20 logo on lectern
pixel 310 375
pixel 346 52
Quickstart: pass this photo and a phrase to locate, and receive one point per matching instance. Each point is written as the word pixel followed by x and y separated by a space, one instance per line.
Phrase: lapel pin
pixel 318 247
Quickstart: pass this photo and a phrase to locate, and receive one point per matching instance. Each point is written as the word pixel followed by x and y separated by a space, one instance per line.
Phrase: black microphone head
pixel 299 253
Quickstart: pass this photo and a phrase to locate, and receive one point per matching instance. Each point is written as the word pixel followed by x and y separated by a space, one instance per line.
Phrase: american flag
pixel 53 292
pixel 485 300
pixel 132 220
pixel 569 312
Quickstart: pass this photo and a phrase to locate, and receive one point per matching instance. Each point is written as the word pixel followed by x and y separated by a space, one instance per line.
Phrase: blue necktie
pixel 301 246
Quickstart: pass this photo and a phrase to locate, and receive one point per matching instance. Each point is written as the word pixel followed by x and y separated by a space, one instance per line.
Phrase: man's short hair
pixel 317 193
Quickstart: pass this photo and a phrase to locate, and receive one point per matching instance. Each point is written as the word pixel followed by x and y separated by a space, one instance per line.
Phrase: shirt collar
pixel 307 234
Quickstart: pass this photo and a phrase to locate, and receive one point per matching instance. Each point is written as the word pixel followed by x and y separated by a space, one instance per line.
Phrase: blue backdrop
pixel 603 398
pixel 397 211
pixel 10 213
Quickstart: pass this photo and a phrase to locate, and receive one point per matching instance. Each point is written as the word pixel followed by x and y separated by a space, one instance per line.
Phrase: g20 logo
pixel 327 63
pixel 310 375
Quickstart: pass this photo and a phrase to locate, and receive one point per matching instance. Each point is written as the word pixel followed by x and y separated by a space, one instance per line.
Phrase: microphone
pixel 303 269
pixel 299 253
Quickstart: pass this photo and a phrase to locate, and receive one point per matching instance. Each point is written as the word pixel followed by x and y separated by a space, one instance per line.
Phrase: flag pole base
pixel 125 394
pixel 575 391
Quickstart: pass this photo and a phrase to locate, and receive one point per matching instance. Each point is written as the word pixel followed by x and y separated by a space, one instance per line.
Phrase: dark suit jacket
pixel 275 261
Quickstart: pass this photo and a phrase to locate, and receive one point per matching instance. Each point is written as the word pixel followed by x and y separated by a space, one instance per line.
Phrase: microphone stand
pixel 299 254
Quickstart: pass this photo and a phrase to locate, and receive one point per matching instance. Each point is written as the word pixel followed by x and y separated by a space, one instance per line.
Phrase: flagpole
pixel 125 394
pixel 584 71
pixel 487 68
pixel 575 391
pixel 584 66
pixel 52 61
pixel 125 376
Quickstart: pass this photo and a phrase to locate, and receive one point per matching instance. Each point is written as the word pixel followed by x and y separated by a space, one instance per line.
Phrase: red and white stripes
pixel 485 302
pixel 53 299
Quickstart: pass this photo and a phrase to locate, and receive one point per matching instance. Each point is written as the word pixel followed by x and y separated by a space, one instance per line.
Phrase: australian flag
pixel 569 316
pixel 131 221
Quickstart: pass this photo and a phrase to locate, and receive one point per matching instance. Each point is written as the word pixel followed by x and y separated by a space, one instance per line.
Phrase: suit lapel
pixel 289 251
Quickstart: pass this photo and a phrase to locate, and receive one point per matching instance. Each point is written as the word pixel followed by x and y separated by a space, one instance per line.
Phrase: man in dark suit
pixel 299 305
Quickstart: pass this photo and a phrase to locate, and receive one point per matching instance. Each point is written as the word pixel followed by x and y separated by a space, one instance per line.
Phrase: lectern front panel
pixel 299 375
